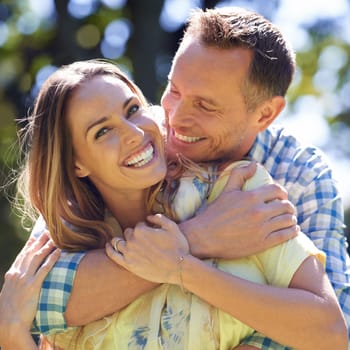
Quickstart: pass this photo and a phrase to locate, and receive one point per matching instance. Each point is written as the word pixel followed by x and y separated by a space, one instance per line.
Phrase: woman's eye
pixel 132 110
pixel 101 132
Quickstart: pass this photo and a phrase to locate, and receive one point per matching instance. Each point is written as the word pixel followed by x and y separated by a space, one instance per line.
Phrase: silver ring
pixel 115 242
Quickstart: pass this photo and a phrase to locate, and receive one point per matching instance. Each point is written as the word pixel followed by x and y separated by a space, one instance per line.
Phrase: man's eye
pixel 173 91
pixel 206 108
pixel 101 132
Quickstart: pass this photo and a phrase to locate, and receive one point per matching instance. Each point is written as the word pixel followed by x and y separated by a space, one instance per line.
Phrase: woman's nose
pixel 133 134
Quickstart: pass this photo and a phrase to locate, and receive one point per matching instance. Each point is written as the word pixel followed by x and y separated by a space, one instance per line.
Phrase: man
pixel 226 86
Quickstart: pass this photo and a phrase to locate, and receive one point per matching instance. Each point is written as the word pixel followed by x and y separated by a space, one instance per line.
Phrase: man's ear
pixel 80 170
pixel 270 110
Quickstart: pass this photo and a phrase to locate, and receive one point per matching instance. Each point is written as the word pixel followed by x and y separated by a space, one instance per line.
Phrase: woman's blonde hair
pixel 71 207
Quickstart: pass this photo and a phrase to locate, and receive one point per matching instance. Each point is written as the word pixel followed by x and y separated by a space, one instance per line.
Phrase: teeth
pixel 142 158
pixel 186 138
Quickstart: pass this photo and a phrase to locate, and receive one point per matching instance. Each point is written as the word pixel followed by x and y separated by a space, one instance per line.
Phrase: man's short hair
pixel 273 61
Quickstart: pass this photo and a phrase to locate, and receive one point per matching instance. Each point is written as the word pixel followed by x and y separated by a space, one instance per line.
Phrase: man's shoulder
pixel 287 158
pixel 277 136
pixel 281 145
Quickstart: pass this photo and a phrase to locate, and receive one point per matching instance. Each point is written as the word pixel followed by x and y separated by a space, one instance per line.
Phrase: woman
pixel 91 118
pixel 20 292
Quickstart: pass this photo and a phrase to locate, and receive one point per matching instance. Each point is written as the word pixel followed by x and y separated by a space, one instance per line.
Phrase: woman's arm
pixel 20 292
pixel 304 316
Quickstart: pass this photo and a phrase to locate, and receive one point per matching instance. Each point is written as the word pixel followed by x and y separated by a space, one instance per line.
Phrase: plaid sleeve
pixel 334 244
pixel 261 342
pixel 312 188
pixel 322 220
pixel 55 293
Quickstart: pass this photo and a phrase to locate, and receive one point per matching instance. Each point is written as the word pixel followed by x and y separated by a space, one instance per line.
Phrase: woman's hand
pixel 20 292
pixel 153 253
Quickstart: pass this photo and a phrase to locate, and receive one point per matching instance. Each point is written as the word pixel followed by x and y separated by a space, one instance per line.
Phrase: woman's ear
pixel 80 170
pixel 270 110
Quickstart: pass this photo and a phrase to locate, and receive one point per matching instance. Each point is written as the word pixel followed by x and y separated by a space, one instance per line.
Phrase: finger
pixel 280 207
pixel 239 176
pixel 281 236
pixel 31 240
pixel 118 244
pixel 38 256
pixel 271 192
pixel 48 264
pixel 26 253
pixel 35 243
pixel 128 232
pixel 41 240
pixel 282 221
pixel 117 257
pixel 161 221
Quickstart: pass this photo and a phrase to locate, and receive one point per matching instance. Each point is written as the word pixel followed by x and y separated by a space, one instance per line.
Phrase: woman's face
pixel 116 143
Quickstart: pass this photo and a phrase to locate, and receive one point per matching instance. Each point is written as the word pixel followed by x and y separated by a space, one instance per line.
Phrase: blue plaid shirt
pixel 305 173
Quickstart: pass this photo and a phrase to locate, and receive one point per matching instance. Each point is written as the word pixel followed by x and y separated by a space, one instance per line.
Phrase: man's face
pixel 206 114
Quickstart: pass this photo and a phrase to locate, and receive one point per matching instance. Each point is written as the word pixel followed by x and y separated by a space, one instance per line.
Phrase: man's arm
pixel 320 215
pixel 100 288
pixel 321 218
pixel 239 223
pixel 83 287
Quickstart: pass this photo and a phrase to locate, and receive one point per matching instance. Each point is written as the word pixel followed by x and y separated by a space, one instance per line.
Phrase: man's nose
pixel 179 114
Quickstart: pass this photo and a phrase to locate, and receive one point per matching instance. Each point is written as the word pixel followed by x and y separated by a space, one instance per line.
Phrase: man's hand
pixel 238 223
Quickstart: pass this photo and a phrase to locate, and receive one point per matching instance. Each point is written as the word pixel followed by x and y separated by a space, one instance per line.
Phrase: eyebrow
pixel 103 119
pixel 97 122
pixel 205 99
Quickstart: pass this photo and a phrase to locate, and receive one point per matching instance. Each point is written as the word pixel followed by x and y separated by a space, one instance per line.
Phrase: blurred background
pixel 141 36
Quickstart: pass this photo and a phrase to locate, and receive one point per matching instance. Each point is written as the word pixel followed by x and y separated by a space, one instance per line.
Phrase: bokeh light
pixel 4 33
pixel 28 23
pixel 88 36
pixel 81 8
pixel 116 35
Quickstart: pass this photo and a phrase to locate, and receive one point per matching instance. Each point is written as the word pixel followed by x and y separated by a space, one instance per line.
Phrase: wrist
pixel 193 232
pixel 16 337
pixel 179 271
pixel 188 268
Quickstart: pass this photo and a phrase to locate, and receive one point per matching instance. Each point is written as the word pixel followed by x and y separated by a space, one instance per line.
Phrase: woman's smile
pixel 123 147
pixel 142 157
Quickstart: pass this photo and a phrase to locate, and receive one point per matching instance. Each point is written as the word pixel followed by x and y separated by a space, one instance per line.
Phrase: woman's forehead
pixel 102 85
